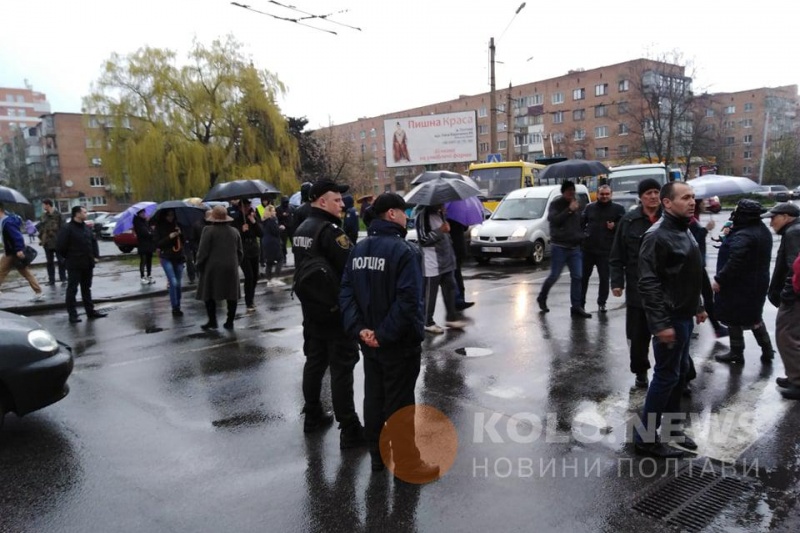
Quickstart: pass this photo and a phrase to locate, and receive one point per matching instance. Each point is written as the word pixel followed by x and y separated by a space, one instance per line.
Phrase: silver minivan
pixel 518 228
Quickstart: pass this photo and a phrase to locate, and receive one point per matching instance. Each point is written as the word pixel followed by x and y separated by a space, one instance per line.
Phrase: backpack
pixel 317 285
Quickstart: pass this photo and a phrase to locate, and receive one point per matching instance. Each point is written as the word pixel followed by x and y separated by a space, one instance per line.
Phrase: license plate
pixel 491 249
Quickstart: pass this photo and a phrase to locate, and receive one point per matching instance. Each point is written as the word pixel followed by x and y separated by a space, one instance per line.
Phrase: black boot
pixel 316 419
pixel 231 314
pixel 211 311
pixel 736 355
pixel 762 338
pixel 352 436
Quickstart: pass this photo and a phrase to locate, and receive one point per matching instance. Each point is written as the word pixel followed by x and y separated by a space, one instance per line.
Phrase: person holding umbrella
pixel 14 246
pixel 246 220
pixel 146 246
pixel 169 242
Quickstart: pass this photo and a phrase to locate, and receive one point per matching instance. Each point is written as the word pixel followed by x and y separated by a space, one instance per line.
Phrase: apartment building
pixel 584 114
pixel 20 108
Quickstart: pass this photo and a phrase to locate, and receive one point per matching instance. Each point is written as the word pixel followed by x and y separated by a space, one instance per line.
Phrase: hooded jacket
pixel 382 288
pixel 13 241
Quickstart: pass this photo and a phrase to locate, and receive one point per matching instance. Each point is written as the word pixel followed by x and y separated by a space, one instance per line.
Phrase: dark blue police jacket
pixel 382 288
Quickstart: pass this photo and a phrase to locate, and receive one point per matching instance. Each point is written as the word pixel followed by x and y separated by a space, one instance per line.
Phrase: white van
pixel 518 228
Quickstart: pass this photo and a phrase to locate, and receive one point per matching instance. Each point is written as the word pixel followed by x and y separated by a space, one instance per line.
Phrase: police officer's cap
pixel 321 186
pixel 389 200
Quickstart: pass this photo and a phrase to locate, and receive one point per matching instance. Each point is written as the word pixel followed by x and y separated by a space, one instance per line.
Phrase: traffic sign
pixel 494 158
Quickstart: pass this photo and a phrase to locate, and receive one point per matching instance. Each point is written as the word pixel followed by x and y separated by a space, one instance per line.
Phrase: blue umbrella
pixel 125 220
pixel 468 211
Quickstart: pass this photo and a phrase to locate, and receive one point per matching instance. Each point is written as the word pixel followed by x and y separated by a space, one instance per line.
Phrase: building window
pixel 748 139
pixel 558 137
pixel 374 147
pixel 747 170
pixel 501 108
pixel 580 135
pixel 730 110
pixel 501 126
pixel 538 99
pixel 501 145
pixel 578 94
pixel 98 200
pixel 601 89
pixel 579 114
pixel 558 117
pixel 536 120
pixel 730 124
pixel 601 153
pixel 729 141
pixel 483 129
pixel 482 112
pixel 97 181
pixel 372 133
pixel 483 147
pixel 622 150
pixel 600 132
pixel 623 128
pixel 748 106
pixel 709 112
pixel 557 98
pixel 363 134
pixel 747 123
pixel 601 111
pixel 623 86
pixel 579 154
pixel 748 154
pixel 93 122
pixel 363 148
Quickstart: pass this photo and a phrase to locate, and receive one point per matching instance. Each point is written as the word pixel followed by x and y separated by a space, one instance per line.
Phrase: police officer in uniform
pixel 325 342
pixel 382 305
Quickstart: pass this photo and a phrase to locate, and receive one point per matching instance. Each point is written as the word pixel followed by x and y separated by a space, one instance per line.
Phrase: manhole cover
pixel 692 498
pixel 474 352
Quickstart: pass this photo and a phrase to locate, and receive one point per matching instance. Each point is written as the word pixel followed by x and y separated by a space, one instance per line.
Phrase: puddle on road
pixel 471 351
pixel 253 418
pixel 153 329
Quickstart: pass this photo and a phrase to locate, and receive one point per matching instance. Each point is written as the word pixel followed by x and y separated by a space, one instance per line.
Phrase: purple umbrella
pixel 468 211
pixel 125 220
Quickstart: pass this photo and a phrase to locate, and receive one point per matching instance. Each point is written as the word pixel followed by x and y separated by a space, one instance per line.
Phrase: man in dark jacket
pixel 14 250
pixel 599 222
pixel 624 272
pixel 50 225
pixel 78 245
pixel 565 240
pixel 381 302
pixel 670 282
pixel 742 280
pixel 351 219
pixel 784 221
pixel 325 342
pixel 285 218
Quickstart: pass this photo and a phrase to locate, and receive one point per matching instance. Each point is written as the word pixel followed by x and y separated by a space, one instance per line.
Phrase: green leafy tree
pixel 172 130
pixel 783 160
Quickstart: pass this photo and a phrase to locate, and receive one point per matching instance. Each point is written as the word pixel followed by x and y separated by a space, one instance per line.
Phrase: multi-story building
pixel 600 114
pixel 20 109
pixel 741 119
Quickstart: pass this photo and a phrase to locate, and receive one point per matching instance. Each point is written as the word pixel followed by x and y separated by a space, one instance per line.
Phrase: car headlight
pixel 519 233
pixel 475 233
pixel 42 340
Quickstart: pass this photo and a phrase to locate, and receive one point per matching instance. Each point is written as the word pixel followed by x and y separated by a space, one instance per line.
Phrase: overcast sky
pixel 409 53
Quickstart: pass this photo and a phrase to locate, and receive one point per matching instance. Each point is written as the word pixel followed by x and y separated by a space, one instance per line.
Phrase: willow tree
pixel 172 130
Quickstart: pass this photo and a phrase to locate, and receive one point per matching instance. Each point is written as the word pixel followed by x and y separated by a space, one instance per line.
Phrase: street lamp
pixel 492 93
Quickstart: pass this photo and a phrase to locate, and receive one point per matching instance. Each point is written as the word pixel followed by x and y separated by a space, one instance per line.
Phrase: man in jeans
pixel 566 236
pixel 670 283
pixel 50 225
pixel 599 222
pixel 14 246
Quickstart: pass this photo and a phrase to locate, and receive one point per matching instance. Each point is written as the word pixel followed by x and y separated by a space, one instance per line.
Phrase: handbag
pixel 30 255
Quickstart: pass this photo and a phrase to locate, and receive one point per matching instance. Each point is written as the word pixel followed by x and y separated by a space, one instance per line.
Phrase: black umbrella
pixel 573 168
pixel 12 196
pixel 430 175
pixel 440 191
pixel 186 214
pixel 230 190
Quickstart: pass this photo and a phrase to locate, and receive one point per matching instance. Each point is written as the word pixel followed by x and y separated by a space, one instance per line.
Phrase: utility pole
pixel 509 128
pixel 492 101
pixel 763 149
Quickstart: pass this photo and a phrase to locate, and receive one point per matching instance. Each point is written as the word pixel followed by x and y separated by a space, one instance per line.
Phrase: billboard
pixel 431 139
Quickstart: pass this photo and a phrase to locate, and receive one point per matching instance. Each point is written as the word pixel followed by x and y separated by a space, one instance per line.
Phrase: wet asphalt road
pixel 168 428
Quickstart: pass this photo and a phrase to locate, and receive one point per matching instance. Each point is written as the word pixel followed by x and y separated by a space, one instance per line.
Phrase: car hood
pixel 504 228
pixel 17 324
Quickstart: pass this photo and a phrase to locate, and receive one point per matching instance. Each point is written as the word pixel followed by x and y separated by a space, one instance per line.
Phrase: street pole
pixel 509 129
pixel 763 149
pixel 492 101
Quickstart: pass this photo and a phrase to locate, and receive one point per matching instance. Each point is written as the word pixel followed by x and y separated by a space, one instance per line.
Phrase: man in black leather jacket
pixel 784 220
pixel 670 283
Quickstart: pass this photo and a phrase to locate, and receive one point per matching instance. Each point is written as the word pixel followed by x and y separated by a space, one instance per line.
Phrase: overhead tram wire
pixel 312 16
pixel 287 19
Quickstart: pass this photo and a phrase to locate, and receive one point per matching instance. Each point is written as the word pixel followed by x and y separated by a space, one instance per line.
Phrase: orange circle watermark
pixel 415 440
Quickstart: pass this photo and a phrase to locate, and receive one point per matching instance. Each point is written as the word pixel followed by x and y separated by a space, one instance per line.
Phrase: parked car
pixel 796 193
pixel 779 193
pixel 107 231
pixel 34 366
pixel 126 241
pixel 518 228
pixel 100 222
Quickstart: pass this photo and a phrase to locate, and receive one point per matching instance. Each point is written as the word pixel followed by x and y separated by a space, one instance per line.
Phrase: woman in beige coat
pixel 218 257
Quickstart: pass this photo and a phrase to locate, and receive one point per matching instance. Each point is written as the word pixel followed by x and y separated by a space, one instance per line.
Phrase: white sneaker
pixel 433 328
pixel 251 309
pixel 277 283
pixel 456 324
pixel 145 281
pixel 38 297
pixel 150 280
